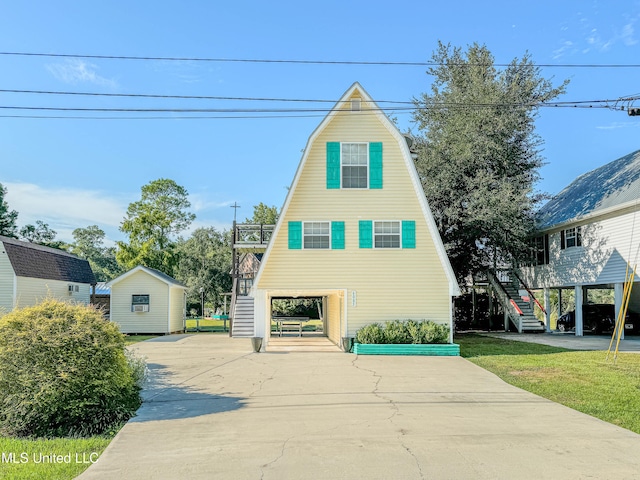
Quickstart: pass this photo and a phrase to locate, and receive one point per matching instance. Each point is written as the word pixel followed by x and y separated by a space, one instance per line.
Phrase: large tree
pixel 263 215
pixel 39 233
pixel 89 244
pixel 479 154
pixel 8 217
pixel 152 224
pixel 205 263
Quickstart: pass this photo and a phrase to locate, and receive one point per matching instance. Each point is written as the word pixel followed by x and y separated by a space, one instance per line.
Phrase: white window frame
pixel 342 165
pixel 571 234
pixel 304 234
pixel 398 223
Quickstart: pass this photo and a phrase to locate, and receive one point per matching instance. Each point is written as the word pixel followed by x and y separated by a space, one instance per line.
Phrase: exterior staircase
pixel 242 317
pixel 507 287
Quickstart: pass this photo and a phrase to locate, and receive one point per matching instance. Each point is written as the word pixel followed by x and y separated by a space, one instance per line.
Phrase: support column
pixel 547 309
pixel 618 290
pixel 578 304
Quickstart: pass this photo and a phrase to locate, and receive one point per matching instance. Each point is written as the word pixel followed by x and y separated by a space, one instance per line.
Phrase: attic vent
pixel 355 105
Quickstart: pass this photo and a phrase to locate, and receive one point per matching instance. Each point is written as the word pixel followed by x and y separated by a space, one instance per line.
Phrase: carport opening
pixel 298 316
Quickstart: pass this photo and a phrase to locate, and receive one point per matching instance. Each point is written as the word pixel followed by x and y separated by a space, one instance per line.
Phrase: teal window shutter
pixel 333 165
pixel 366 233
pixel 375 165
pixel 408 234
pixel 337 235
pixel 295 235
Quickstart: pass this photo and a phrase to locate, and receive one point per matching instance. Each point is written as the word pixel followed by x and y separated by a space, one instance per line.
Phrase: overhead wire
pixel 298 61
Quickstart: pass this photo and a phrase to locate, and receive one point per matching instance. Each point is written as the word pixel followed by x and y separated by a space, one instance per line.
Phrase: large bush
pixel 403 332
pixel 64 371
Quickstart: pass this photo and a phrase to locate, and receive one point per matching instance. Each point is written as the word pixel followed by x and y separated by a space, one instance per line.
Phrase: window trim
pixel 135 303
pixel 342 165
pixel 576 237
pixel 374 234
pixel 304 223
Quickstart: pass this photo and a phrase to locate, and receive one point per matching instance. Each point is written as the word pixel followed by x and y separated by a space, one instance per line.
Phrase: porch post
pixel 547 309
pixel 618 290
pixel 578 315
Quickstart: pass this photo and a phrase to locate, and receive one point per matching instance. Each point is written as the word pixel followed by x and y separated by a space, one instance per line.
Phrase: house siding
pixel 32 291
pixel 177 311
pixel 140 283
pixel 7 279
pixel 388 283
pixel 334 316
pixel 607 248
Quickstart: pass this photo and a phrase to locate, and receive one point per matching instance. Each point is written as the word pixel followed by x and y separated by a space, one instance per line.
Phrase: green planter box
pixel 440 349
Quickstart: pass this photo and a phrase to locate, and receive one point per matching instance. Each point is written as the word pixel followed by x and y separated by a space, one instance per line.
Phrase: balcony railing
pixel 247 235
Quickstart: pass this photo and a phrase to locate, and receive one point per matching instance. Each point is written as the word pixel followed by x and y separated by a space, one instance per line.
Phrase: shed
pixel 29 273
pixel 145 300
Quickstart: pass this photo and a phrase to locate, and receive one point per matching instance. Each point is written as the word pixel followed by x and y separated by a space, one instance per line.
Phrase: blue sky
pixel 76 172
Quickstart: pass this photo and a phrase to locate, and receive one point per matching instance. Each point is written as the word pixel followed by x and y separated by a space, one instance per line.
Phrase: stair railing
pixel 529 291
pixel 505 299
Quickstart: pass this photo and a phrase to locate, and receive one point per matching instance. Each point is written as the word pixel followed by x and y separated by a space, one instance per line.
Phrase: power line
pixel 303 62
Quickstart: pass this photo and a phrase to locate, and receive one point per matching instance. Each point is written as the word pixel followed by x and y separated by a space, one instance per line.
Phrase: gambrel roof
pixel 612 186
pixel 37 261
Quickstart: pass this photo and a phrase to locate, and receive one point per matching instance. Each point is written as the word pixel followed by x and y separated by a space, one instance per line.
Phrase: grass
pixel 131 339
pixel 582 380
pixel 77 454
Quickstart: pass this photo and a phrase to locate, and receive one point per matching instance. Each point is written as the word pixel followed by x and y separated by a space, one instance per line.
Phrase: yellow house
pixel 145 300
pixel 356 230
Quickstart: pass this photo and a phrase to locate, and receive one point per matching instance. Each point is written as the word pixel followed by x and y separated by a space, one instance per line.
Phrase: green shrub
pixel 64 372
pixel 403 332
pixel 396 332
pixel 372 333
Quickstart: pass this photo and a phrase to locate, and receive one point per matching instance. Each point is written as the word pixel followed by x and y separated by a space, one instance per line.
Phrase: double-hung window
pixel 354 166
pixel 571 237
pixel 316 235
pixel 386 234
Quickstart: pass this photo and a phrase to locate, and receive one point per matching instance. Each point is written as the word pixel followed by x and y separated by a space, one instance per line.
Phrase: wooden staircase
pixel 507 286
pixel 243 317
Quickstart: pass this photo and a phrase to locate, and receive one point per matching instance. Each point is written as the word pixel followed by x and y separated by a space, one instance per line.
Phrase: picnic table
pixel 286 323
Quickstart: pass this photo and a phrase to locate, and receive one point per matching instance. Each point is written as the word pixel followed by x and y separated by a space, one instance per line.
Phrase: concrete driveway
pixel 215 410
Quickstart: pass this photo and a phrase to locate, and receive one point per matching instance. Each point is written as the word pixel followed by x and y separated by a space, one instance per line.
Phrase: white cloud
pixel 76 71
pixel 627 35
pixel 618 125
pixel 65 209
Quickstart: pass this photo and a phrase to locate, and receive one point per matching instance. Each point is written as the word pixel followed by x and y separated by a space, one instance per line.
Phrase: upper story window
pixel 571 237
pixel 354 165
pixel 539 250
pixel 354 161
pixel 316 235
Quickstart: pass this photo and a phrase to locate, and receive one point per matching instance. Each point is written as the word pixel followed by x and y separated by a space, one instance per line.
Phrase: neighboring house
pixel 29 273
pixel 590 235
pixel 248 267
pixel 356 230
pixel 145 300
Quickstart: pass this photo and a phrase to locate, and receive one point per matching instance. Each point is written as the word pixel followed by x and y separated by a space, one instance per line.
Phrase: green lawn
pixel 584 381
pixel 61 458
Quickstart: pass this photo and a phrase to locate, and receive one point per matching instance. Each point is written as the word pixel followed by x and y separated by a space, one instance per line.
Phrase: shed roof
pixel 151 271
pixel 613 185
pixel 37 261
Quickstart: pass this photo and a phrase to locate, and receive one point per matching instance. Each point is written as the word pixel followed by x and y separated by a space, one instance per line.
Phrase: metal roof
pixel 615 184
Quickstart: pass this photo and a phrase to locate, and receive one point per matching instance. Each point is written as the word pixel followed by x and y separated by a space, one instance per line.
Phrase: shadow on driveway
pixel 163 400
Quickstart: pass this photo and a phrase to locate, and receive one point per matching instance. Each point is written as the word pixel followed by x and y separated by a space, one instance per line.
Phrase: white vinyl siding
pixel 31 291
pixel 607 248
pixel 7 281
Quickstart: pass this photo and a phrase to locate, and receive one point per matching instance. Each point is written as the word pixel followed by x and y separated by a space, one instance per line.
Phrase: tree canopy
pixel 479 155
pixel 263 215
pixel 8 217
pixel 152 223
pixel 89 244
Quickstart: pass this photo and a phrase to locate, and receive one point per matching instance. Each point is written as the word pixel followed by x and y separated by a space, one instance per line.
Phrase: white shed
pixel 145 300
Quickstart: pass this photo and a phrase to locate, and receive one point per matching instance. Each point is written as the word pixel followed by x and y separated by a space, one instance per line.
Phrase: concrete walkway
pixel 215 410
pixel 569 340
